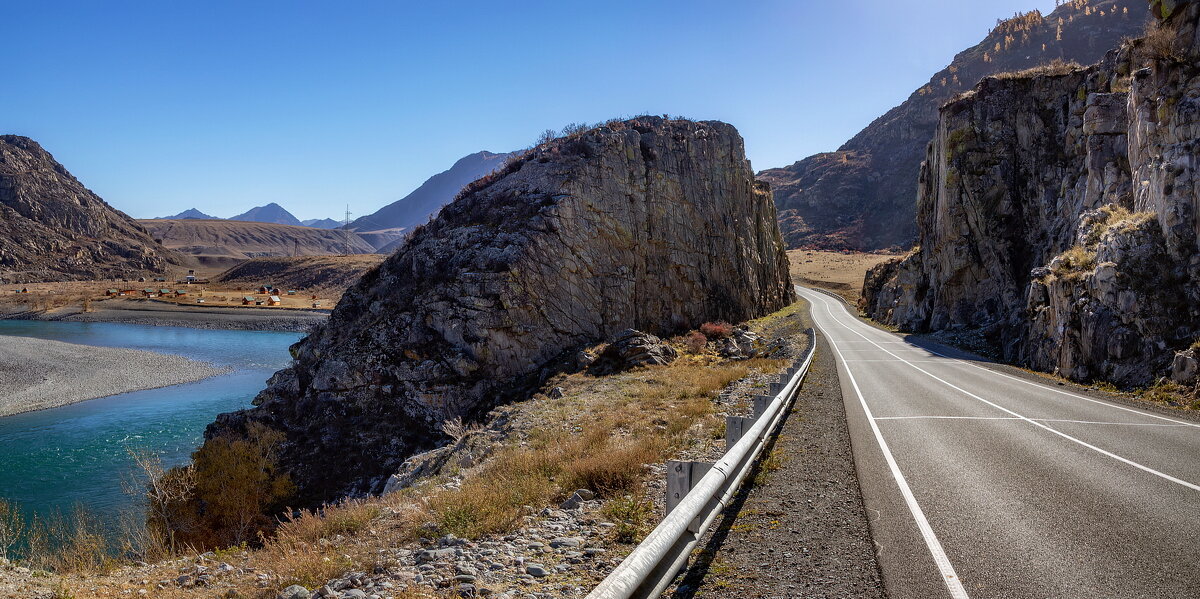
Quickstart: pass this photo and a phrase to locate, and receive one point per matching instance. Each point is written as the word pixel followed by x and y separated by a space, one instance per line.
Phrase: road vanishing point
pixel 985 484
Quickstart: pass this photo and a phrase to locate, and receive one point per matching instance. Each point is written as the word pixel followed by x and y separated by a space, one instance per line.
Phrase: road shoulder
pixel 800 530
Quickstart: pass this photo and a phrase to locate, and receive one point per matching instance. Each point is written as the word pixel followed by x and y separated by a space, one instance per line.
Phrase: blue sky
pixel 160 105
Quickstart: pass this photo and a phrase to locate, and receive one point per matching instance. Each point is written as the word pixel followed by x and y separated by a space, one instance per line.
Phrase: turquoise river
pixel 78 454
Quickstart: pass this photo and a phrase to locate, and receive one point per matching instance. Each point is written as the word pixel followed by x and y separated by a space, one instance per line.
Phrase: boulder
pixel 631 349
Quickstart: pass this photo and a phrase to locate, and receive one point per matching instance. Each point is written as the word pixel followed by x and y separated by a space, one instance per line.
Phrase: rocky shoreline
pixel 36 374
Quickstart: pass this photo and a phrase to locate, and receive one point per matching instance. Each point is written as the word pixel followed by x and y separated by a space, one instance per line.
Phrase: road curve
pixel 984 484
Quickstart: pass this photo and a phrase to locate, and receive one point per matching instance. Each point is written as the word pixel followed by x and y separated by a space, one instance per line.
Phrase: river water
pixel 78 454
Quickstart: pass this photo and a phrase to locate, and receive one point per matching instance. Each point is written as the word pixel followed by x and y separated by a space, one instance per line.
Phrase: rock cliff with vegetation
pixel 1058 215
pixel 861 196
pixel 52 228
pixel 652 224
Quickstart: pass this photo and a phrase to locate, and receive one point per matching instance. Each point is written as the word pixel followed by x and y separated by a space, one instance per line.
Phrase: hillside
pixel 303 273
pixel 863 195
pixel 391 222
pixel 271 213
pixel 52 228
pixel 220 242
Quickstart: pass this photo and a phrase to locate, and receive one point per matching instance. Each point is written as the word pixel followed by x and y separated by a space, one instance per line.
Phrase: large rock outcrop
pixel 652 224
pixel 52 228
pixel 1058 215
pixel 861 196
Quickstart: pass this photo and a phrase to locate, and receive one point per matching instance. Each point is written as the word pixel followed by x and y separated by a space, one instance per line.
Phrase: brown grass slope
pixel 222 241
pixel 302 272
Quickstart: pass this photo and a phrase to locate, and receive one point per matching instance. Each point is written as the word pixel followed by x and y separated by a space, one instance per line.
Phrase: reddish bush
pixel 696 342
pixel 716 330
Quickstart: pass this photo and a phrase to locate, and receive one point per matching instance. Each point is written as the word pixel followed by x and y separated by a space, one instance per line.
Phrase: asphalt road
pixel 984 484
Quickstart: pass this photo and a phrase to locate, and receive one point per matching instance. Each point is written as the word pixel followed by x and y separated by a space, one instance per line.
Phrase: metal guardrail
pixel 651 567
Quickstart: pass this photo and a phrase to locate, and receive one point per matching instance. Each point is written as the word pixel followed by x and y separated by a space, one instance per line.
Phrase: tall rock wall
pixel 52 228
pixel 1057 215
pixel 651 224
pixel 861 197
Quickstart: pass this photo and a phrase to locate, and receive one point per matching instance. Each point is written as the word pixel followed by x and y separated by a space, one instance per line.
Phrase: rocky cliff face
pixel 861 197
pixel 53 228
pixel 1057 215
pixel 650 224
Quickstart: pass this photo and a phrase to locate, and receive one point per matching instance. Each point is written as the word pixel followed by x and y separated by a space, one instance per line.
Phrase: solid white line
pixel 947 418
pixel 894 360
pixel 1110 454
pixel 1060 391
pixel 949 576
pixel 1015 418
pixel 1019 379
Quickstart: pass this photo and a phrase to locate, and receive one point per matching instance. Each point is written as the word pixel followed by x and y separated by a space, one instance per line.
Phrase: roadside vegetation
pixel 604 434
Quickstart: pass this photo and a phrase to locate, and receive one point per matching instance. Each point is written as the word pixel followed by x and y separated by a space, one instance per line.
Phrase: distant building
pixel 274 300
pixel 247 300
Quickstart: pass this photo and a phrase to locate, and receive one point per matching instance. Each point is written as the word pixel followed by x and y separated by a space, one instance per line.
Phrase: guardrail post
pixel 680 478
pixel 735 427
pixel 761 402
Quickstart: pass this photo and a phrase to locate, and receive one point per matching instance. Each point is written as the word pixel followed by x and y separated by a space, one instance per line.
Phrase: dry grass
pixel 602 434
pixel 1055 68
pixel 841 273
pixel 1074 263
pixel 1158 43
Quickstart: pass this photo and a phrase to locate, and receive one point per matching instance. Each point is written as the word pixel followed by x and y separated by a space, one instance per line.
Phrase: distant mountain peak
pixel 270 213
pixel 426 200
pixel 190 213
pixel 322 223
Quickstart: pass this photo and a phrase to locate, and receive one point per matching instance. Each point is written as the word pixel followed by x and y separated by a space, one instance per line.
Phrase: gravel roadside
pixel 800 531
pixel 36 374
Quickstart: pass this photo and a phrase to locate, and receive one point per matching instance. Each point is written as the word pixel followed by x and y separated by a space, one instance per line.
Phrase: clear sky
pixel 162 105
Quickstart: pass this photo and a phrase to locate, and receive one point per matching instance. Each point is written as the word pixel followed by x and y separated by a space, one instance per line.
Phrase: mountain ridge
pixel 863 195
pixel 419 205
pixel 53 228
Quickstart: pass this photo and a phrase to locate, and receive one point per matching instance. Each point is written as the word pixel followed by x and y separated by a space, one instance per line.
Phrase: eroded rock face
pixel 1057 215
pixel 861 196
pixel 52 228
pixel 649 224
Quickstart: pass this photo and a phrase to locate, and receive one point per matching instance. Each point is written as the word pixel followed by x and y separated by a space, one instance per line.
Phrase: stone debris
pixel 630 349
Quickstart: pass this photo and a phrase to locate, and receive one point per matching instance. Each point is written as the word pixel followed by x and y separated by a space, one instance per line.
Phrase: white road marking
pixel 1041 386
pixel 949 576
pixel 1105 452
pixel 895 360
pixel 1016 418
pixel 1067 393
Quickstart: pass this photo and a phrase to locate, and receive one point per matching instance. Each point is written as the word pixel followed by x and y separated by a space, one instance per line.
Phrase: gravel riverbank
pixel 36 374
pixel 153 313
